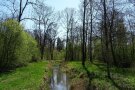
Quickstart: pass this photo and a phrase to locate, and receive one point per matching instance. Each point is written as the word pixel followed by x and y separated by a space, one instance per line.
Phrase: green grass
pixel 37 75
pixel 24 78
pixel 123 78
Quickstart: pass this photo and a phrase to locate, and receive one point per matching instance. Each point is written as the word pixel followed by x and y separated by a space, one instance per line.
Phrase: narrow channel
pixel 59 80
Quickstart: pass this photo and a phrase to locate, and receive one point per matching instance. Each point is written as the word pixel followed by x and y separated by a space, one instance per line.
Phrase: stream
pixel 59 80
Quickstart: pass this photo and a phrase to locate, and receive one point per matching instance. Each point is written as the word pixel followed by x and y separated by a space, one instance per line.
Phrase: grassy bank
pixel 36 76
pixel 122 79
pixel 28 78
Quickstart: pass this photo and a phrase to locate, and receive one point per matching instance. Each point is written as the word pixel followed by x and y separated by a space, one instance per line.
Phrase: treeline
pixel 17 47
pixel 120 42
pixel 102 31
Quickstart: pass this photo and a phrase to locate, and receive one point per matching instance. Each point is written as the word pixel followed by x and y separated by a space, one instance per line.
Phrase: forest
pixel 90 47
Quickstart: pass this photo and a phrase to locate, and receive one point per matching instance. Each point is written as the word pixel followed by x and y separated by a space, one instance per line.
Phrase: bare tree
pixel 17 7
pixel 69 23
pixel 45 25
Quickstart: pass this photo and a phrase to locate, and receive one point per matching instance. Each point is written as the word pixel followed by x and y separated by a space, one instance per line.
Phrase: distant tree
pixel 51 38
pixel 60 44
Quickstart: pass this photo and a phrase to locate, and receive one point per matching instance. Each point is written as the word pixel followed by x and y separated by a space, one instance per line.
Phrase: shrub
pixel 17 47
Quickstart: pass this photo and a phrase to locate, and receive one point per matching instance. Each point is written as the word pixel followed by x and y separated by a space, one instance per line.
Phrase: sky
pixel 62 4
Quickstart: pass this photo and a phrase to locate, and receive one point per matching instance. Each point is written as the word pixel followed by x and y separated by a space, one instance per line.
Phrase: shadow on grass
pixel 123 86
pixel 100 66
pixel 2 73
pixel 91 76
pixel 115 84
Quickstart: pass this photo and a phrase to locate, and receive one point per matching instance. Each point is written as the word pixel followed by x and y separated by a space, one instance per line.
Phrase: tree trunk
pixel 106 40
pixel 42 52
pixel 83 43
pixel 66 57
pixel 91 30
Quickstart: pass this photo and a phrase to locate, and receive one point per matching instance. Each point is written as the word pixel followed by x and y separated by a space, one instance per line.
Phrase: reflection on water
pixel 59 80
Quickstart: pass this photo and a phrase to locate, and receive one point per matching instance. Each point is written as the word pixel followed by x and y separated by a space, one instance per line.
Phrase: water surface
pixel 59 80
